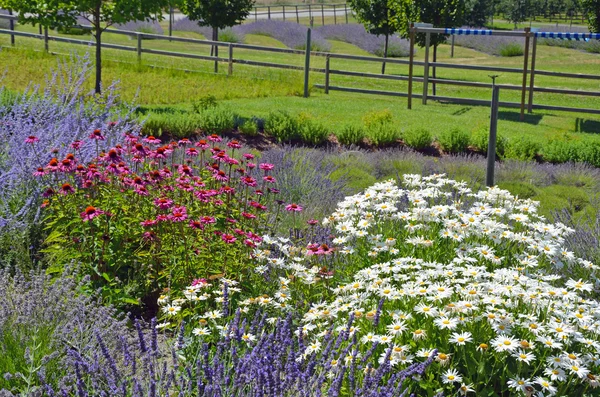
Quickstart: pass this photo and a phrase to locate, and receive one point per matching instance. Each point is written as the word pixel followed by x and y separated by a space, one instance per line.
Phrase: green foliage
pixel 376 118
pixel 217 120
pixel 523 190
pixel 282 126
pixel 350 135
pixel 229 36
pixel 522 148
pixel 311 131
pixel 218 14
pixel 478 12
pixel 593 10
pixel 511 50
pixel 378 16
pixel 204 102
pixel 562 197
pixel 382 134
pixel 177 125
pixel 418 138
pixel 514 11
pixel 480 140
pixel 249 128
pixel 455 141
pixel 73 31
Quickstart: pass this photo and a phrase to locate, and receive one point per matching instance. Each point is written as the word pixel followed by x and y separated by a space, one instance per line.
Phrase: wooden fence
pixel 329 70
pixel 313 12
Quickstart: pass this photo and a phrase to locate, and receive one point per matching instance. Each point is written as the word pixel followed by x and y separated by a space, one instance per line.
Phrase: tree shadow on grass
pixel 589 126
pixel 462 111
pixel 516 116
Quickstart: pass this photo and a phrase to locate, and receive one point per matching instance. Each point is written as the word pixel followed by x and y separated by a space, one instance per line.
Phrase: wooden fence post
pixel 230 65
pixel 46 47
pixel 216 58
pixel 307 64
pixel 310 12
pixel 297 17
pixel 346 11
pixel 255 14
pixel 334 16
pixel 269 11
pixel 327 75
pixel 426 68
pixel 410 64
pixel 11 25
pixel 452 49
pixel 532 75
pixel 322 15
pixel 139 47
pixel 525 65
pixel 171 18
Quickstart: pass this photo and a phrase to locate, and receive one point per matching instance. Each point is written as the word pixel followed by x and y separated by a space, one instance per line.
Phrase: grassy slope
pixel 256 91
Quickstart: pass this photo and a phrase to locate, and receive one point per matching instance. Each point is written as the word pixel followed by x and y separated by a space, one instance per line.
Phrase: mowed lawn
pixel 174 83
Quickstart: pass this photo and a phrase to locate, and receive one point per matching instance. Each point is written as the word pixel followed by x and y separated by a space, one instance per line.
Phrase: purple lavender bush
pixel 357 35
pixel 40 320
pixel 40 124
pixel 291 34
pixel 151 27
pixel 229 35
pixel 493 45
pixel 271 364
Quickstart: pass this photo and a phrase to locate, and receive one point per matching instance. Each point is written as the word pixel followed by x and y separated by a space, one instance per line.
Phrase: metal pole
pixel 334 16
pixel 346 11
pixel 322 15
pixel 410 64
pixel 230 68
pixel 307 63
pixel 452 49
pixel 255 15
pixel 297 17
pixel 491 154
pixel 309 12
pixel 11 25
pixel 269 11
pixel 139 47
pixel 532 78
pixel 426 68
pixel 46 38
pixel 327 75
pixel 284 13
pixel 525 64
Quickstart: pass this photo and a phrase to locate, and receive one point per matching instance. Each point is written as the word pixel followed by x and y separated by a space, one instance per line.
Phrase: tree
pixel 100 13
pixel 218 14
pixel 378 17
pixel 515 11
pixel 478 12
pixel 592 8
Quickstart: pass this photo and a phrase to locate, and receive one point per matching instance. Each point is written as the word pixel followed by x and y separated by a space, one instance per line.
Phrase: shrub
pixel 144 216
pixel 522 190
pixel 382 134
pixel 281 126
pixel 455 141
pixel 350 135
pixel 217 120
pixel 176 125
pixel 522 148
pixel 511 50
pixel 73 31
pixel 418 139
pixel 230 36
pixel 204 103
pixel 249 128
pixel 376 118
pixel 289 33
pixel 312 131
pixel 480 141
pixel 357 35
pixel 150 27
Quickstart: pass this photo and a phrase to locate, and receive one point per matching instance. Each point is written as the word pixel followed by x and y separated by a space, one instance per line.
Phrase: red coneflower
pixel 293 207
pixel 90 213
pixel 32 139
pixel 228 238
pixel 66 188
pixel 97 135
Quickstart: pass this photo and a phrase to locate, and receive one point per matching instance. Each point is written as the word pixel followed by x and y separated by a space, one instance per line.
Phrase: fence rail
pixel 328 71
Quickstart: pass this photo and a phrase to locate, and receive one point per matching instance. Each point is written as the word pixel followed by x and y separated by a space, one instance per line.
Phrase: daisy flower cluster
pixel 479 276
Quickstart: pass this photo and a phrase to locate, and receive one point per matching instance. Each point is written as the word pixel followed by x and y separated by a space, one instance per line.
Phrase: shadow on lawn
pixel 516 116
pixel 591 126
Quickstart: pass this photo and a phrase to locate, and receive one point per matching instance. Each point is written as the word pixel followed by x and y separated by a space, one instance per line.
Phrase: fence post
pixel 491 154
pixel 297 17
pixel 334 16
pixel 346 11
pixel 525 64
pixel 11 24
pixel 269 11
pixel 322 15
pixel 216 58
pixel 46 47
pixel 139 47
pixel 230 66
pixel 255 15
pixel 284 13
pixel 310 12
pixel 307 64
pixel 532 76
pixel 327 75
pixel 452 48
pixel 426 68
pixel 410 63
pixel 171 18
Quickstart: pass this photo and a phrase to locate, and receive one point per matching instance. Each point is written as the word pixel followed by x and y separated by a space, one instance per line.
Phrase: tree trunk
pixel 385 52
pixel 433 68
pixel 98 34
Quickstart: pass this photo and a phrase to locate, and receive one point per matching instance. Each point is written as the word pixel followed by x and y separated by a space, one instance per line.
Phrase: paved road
pixel 290 13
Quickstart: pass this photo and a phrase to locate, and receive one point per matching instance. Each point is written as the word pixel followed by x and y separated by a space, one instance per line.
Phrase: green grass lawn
pixel 175 83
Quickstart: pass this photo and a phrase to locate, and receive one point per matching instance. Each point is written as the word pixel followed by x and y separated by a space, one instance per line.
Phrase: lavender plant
pixel 40 124
pixel 150 26
pixel 357 35
pixel 232 35
pixel 291 34
pixel 493 45
pixel 40 320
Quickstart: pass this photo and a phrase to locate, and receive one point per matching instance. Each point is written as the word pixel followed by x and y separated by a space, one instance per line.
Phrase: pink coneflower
pixel 266 166
pixel 234 144
pixel 77 144
pixel 149 236
pixel 179 214
pixel 228 238
pixel 251 166
pixel 163 203
pixel 48 193
pixel 112 124
pixel 39 172
pixel 220 156
pixel 202 144
pixel 148 222
pixel 199 281
pixel 192 152
pixel 248 156
pixel 184 170
pixel 250 243
pixel 195 224
pixel 227 190
pixel 293 207
pixel 248 215
pixel 113 155
pixel 152 140
pixel 97 135
pixel 231 161
pixel 31 139
pixel 141 190
pixel 249 181
pixel 312 222
pixel 66 166
pixel 66 188
pixel 184 141
pixel 221 176
pixel 214 138
pixel 269 179
pixel 161 152
pixel 52 165
pixel 90 213
pixel 131 139
pixel 207 220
